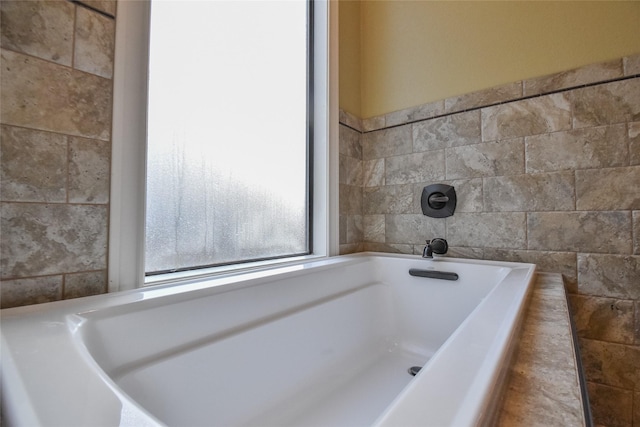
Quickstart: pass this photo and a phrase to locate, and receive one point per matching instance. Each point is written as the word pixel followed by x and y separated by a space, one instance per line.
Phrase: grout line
pixel 63 286
pixel 62 275
pixel 24 127
pixel 575 190
pixel 49 61
pixel 481 125
pixel 68 170
pixel 634 235
pixel 52 203
pixel 526 230
pixel 73 38
pixel 350 127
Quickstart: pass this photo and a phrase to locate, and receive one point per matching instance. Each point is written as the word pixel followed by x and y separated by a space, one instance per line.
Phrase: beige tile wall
pixel 55 135
pixel 546 171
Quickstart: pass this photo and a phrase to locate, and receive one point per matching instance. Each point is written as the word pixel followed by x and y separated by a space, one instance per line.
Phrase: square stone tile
pixel 85 284
pixel 549 113
pixel 460 252
pixel 373 173
pixel 530 192
pixel 488 230
pixel 350 170
pixel 485 159
pixel 33 165
pixel 89 170
pixel 393 248
pixel 615 276
pixel 608 103
pixel 604 319
pixel 95 43
pixel 597 232
pixel 416 167
pixel 615 365
pixel 355 232
pixel 350 199
pixel 350 248
pixel 448 131
pixel 350 142
pixel 469 194
pixel 590 148
pixel 390 199
pixel 387 142
pixel 47 239
pixel 41 95
pixel 412 229
pixel 19 292
pixel 610 406
pixel 617 188
pixel 374 230
pixel 43 29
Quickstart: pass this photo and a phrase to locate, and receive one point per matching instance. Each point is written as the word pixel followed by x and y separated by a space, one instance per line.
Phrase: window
pixel 227 133
pixel 316 180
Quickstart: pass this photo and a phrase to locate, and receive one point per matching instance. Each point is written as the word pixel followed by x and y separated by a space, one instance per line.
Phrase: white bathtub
pixel 326 343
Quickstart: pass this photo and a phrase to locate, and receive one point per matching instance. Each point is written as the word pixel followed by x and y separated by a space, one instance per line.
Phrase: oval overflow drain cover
pixel 414 370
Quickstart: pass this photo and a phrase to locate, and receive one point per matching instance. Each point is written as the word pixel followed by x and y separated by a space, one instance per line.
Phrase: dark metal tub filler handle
pixel 433 274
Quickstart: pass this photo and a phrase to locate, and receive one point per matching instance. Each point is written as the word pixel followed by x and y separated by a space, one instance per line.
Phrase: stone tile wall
pixel 351 178
pixel 55 135
pixel 546 171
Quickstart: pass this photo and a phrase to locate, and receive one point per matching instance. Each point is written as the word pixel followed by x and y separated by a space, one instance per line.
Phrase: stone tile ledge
pixel 623 68
pixel 543 387
pixel 105 7
pixel 350 120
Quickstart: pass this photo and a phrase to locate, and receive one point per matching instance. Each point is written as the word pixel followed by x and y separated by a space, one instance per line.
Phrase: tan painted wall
pixel 415 52
pixel 349 56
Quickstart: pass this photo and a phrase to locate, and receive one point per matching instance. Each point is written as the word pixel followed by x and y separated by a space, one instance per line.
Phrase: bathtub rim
pixel 221 282
pixel 38 314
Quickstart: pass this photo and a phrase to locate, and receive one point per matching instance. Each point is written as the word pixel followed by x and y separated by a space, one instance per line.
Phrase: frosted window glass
pixel 227 133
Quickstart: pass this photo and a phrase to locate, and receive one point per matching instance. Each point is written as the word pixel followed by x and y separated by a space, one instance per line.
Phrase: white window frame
pixel 128 162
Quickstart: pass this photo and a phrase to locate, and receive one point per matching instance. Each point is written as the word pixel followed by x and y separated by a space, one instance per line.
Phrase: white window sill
pixel 226 270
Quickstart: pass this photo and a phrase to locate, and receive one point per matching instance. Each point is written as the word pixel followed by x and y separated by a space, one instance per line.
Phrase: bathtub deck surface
pixel 543 387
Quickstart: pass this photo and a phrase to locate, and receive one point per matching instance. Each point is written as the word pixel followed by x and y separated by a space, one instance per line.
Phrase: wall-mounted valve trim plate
pixel 438 200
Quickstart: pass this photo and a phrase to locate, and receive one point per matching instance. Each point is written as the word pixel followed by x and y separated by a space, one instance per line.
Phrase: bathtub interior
pixel 328 346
